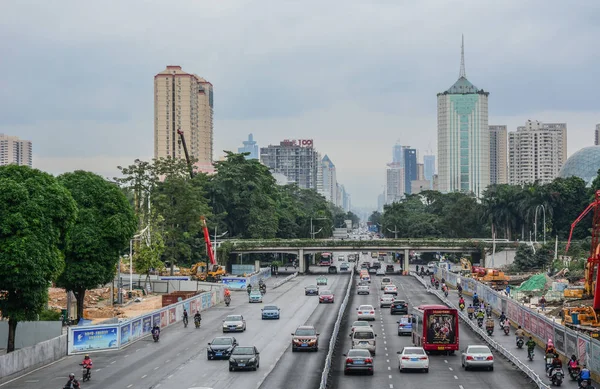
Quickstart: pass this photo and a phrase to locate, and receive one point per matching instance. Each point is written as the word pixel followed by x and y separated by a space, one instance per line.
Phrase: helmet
pixel 86 356
pixel 71 375
pixel 550 343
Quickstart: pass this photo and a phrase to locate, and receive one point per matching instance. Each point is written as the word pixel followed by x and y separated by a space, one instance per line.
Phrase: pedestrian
pixel 542 302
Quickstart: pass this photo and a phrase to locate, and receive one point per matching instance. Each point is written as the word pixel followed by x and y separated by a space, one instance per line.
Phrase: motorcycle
pixel 586 384
pixel 87 374
pixel 480 322
pixel 506 329
pixel 530 354
pixel 446 292
pixel 574 372
pixel 227 300
pixel 490 330
pixel 556 375
pixel 461 306
pixel 263 289
pixel 437 285
pixel 185 322
pixel 520 342
pixel 197 322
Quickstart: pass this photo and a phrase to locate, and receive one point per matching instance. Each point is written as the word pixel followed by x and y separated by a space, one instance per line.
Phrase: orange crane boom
pixel 211 255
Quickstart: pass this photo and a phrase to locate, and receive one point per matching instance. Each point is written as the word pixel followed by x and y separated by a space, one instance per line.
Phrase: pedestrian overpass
pixel 302 247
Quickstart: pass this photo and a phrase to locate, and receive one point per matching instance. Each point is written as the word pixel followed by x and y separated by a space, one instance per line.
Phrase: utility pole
pixel 395 232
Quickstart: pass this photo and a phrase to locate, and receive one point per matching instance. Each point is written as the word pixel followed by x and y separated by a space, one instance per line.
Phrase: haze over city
pixel 77 78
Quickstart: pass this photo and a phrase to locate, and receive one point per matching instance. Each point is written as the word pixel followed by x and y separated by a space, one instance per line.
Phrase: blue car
pixel 255 296
pixel 270 312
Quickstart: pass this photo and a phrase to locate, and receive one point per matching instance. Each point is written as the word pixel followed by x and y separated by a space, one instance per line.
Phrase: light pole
pixel 215 246
pixel 312 233
pixel 135 237
pixel 535 222
pixel 395 232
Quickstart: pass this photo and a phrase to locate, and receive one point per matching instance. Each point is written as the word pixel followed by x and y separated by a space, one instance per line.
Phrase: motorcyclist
pixel 471 311
pixel 480 315
pixel 573 363
pixel 461 301
pixel 437 284
pixel 227 293
pixel 197 317
pixel 185 316
pixel 459 288
pixel 584 375
pixel 443 280
pixel 72 383
pixel 475 299
pixel 550 350
pixel 156 330
pixel 489 324
pixel 249 288
pixel 87 363
pixel 556 364
pixel 488 310
pixel 502 317
pixel 261 283
pixel 530 345
pixel 519 333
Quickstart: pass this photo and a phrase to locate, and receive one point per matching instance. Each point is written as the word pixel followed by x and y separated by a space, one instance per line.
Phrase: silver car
pixel 363 289
pixel 234 323
pixel 358 360
pixel 478 356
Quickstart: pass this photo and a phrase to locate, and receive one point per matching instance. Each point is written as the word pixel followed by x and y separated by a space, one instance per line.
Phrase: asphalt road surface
pixel 179 359
pixel 444 371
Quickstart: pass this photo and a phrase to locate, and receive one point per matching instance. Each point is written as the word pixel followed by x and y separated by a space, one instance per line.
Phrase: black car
pixel 376 265
pixel 244 358
pixel 221 347
pixel 311 290
pixel 400 307
pixel 389 269
pixel 364 265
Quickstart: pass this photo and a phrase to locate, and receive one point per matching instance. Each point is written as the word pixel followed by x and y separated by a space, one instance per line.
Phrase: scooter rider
pixel 249 288
pixel 585 375
pixel 87 363
pixel 530 345
pixel 475 299
pixel 459 288
pixel 72 383
pixel 156 330
pixel 197 317
pixel 573 363
pixel 185 316
pixel 461 301
pixel 227 292
pixel 519 333
pixel 502 317
pixel 556 364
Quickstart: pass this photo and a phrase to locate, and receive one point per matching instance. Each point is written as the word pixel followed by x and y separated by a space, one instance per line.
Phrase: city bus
pixel 325 260
pixel 435 328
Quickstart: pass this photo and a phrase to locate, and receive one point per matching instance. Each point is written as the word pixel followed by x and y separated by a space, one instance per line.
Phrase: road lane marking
pixel 171 376
pixel 112 362
pixel 451 369
pixel 126 355
pixel 167 361
pixel 455 377
pixel 156 368
pixel 391 386
pixel 445 361
pixel 387 355
pixel 130 385
pixel 145 375
pixel 389 368
pixel 32 381
pixel 99 369
pixel 390 377
pixel 384 342
pixel 460 387
pixel 385 348
pixel 388 361
pixel 178 354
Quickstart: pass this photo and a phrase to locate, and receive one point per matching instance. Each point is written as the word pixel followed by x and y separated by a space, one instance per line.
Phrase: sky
pixel 76 77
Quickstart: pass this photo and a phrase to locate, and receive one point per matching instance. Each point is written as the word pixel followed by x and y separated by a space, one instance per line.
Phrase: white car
pixel 360 323
pixel 366 312
pixel 386 300
pixel 234 323
pixel 363 289
pixel 477 356
pixel 380 272
pixel 385 281
pixel 390 289
pixel 413 358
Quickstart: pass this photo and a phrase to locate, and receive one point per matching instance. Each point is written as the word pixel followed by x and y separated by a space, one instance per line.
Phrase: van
pixel 385 281
pixel 364 338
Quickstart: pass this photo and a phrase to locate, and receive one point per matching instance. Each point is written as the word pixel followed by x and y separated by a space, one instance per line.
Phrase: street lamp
pixel 215 246
pixel 312 233
pixel 135 237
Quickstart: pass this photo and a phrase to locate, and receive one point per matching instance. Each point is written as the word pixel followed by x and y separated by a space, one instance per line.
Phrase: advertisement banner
pixel 559 340
pixel 164 319
pixel 571 343
pixel 205 301
pixel 595 355
pixel 582 349
pixel 93 339
pixel 125 333
pixel 136 328
pixel 172 316
pixel 522 316
pixel 234 282
pixel 549 330
pixel 156 319
pixel 147 324
pixel 440 329
pixel 504 306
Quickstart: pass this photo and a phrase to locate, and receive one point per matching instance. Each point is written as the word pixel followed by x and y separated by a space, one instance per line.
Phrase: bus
pixel 325 260
pixel 435 328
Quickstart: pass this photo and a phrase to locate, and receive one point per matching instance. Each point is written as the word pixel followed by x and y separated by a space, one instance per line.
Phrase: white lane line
pixel 112 362
pixel 386 349
pixel 445 361
pixel 178 354
pixel 99 369
pixel 451 369
pixel 384 342
pixel 156 368
pixel 180 367
pixel 455 377
pixel 387 355
pixel 391 386
pixel 145 375
pixel 388 361
pixel 390 377
pixel 130 385
pixel 187 348
pixel 167 361
pixel 126 355
pixel 157 385
pixel 389 368
pixel 171 376
pixel 460 387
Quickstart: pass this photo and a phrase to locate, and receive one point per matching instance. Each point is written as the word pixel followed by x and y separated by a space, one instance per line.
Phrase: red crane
pixel 593 261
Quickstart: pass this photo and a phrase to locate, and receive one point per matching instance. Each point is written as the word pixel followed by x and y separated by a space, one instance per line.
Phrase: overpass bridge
pixel 301 247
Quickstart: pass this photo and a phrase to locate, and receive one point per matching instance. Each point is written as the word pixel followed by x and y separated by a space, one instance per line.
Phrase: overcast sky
pixel 76 77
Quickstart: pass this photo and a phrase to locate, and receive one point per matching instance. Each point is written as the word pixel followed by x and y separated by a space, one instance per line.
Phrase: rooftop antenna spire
pixel 463 73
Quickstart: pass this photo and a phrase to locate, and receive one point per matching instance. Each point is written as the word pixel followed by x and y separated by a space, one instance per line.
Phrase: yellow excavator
pixel 200 272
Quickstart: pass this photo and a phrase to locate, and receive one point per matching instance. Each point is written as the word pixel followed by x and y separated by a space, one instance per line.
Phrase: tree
pixel 376 218
pixel 36 215
pixel 104 225
pixel 149 253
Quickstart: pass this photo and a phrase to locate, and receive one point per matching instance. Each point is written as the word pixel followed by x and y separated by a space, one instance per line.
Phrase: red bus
pixel 325 259
pixel 435 328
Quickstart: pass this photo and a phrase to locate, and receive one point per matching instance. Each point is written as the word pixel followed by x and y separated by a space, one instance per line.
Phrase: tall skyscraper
pixel 463 136
pixel 597 137
pixel 183 101
pixel 429 168
pixel 397 154
pixel 250 146
pixel 394 183
pixel 15 151
pixel 410 168
pixel 536 152
pixel 296 159
pixel 498 155
pixel 329 180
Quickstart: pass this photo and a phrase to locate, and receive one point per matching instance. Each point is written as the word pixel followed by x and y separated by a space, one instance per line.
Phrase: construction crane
pixel 187 155
pixel 594 259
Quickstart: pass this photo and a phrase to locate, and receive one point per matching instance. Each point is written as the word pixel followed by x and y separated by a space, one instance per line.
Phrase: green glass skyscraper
pixel 463 137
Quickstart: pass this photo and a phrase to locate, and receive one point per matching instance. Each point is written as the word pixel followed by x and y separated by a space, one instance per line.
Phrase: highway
pixel 179 360
pixel 444 372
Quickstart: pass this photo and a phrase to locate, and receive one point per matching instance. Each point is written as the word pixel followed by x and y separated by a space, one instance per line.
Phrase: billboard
pixel 440 328
pixel 94 339
pixel 125 333
pixel 234 282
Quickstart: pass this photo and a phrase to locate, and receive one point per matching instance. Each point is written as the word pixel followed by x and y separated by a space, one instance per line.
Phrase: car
pixel 386 300
pixel 358 360
pixel 380 272
pixel 363 289
pixel 399 306
pixel 364 338
pixel 359 323
pixel 413 358
pixel 234 323
pixel 390 289
pixel 365 253
pixel 344 266
pixel 311 290
pixel 221 347
pixel 321 281
pixel 477 356
pixel 341 257
pixel 326 296
pixel 376 265
pixel 389 269
pixel 243 358
pixel 364 265
pixel 271 312
pixel 385 281
pixel 255 296
pixel 366 312
pixel 305 338
pixel 405 325
pixel 372 270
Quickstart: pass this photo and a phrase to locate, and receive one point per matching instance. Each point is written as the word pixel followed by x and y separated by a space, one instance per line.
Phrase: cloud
pixel 77 78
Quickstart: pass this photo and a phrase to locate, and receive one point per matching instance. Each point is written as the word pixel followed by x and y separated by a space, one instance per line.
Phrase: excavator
pixel 575 317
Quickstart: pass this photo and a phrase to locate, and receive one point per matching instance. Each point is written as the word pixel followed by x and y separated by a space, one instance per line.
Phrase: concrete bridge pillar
pixel 301 261
pixel 406 257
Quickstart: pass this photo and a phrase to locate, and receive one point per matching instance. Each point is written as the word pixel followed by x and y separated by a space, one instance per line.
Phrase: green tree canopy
pixel 36 215
pixel 105 223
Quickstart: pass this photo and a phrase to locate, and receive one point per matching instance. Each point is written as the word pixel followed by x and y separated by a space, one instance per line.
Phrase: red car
pixel 325 296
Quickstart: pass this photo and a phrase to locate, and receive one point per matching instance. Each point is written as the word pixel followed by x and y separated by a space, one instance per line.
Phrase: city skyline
pixel 74 125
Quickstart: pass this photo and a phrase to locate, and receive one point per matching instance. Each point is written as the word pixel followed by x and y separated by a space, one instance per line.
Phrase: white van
pixel 385 281
pixel 364 337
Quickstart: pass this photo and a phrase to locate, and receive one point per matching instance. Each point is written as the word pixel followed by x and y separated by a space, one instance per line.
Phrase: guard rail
pixel 498 347
pixel 286 279
pixel 335 333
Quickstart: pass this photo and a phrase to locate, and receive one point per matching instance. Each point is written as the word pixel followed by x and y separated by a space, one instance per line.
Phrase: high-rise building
pixel 397 154
pixel 15 151
pixel 183 101
pixel 410 168
pixel 380 201
pixel 429 166
pixel 536 152
pixel 394 183
pixel 597 137
pixel 498 155
pixel 420 171
pixel 296 159
pixel 329 180
pixel 463 137
pixel 250 146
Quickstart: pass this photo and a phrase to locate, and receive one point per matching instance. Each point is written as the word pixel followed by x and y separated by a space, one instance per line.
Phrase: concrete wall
pixel 29 358
pixel 501 258
pixel 30 333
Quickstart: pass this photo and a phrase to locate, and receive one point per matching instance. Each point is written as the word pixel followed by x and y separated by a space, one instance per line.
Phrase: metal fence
pixel 567 341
